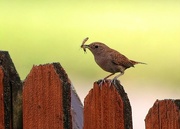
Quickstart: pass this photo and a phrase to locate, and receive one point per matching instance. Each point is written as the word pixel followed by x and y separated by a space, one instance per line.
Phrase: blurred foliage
pixel 38 32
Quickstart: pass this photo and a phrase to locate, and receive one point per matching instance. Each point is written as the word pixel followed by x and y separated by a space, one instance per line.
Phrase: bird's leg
pixel 104 80
pixel 108 76
pixel 115 78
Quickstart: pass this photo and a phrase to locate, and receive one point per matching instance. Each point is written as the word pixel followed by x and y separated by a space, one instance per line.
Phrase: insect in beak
pixel 84 46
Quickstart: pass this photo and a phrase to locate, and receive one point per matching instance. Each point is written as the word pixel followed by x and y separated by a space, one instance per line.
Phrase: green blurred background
pixel 46 31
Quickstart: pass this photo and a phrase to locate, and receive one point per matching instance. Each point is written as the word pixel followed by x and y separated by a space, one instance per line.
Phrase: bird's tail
pixel 135 62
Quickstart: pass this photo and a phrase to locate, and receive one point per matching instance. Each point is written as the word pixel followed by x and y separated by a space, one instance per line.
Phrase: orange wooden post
pixel 47 98
pixel 10 94
pixel 107 107
pixel 165 114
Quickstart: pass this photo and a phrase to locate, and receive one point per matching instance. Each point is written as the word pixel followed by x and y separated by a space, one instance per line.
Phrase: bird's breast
pixel 106 64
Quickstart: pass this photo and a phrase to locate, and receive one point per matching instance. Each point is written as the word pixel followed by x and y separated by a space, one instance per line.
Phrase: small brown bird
pixel 109 59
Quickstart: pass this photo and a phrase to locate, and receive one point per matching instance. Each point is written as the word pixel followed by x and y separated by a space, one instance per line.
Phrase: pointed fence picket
pixel 46 99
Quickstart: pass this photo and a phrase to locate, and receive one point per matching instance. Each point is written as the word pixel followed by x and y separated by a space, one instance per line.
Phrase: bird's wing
pixel 120 59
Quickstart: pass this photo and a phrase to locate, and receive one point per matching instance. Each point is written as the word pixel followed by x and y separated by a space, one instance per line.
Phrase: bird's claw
pixel 114 81
pixel 101 81
pixel 110 82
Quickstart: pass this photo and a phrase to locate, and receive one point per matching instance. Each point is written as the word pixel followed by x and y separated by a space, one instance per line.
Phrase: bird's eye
pixel 96 46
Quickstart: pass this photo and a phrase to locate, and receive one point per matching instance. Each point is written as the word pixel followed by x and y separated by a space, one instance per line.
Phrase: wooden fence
pixel 47 100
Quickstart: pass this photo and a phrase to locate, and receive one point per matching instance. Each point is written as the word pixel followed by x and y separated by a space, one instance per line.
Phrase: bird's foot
pixel 100 82
pixel 113 81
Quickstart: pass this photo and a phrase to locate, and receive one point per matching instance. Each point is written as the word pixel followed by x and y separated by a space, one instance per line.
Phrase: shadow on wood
pixel 2 124
pixel 107 107
pixel 11 93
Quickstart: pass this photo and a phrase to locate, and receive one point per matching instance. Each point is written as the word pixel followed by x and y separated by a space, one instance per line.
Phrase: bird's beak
pixel 84 47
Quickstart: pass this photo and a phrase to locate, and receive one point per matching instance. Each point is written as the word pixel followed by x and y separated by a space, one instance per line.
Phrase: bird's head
pixel 97 48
